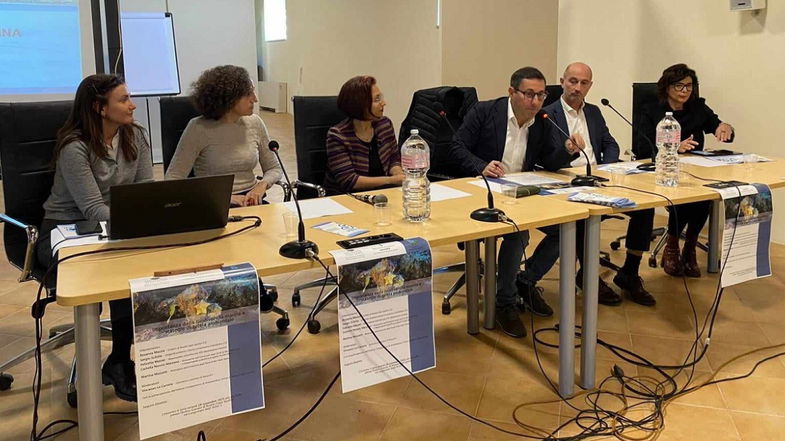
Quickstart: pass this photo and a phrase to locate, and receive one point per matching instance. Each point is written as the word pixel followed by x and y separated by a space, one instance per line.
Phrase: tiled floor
pixel 487 375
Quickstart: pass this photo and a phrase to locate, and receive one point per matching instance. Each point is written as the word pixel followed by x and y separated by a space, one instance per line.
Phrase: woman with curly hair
pixel 228 138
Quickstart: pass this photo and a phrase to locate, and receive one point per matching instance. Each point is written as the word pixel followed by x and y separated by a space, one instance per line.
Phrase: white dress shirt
pixel 515 142
pixel 576 123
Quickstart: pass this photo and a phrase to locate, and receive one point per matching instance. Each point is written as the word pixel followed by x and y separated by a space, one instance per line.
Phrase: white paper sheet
pixel 700 161
pixel 64 236
pixel 443 193
pixel 313 208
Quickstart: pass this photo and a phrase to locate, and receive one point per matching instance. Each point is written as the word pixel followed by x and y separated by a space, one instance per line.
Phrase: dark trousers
pixel 119 310
pixel 639 230
pixel 693 216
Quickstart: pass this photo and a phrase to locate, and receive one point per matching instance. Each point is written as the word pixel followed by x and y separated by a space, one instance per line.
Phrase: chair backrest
pixel 642 95
pixel 175 113
pixel 313 117
pixel 456 102
pixel 554 93
pixel 28 133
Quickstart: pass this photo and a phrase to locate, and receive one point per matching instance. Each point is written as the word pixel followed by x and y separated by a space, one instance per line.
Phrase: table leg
pixel 715 236
pixel 88 372
pixel 591 274
pixel 566 309
pixel 472 256
pixel 490 283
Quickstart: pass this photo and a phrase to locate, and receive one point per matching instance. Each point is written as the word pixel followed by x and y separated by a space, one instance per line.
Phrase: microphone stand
pixel 300 248
pixel 648 166
pixel 587 180
pixel 486 214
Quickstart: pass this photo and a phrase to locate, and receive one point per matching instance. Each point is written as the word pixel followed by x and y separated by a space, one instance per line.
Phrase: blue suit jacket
pixel 481 138
pixel 605 148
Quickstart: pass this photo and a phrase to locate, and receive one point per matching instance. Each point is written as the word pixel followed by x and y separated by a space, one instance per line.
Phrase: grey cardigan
pixel 82 181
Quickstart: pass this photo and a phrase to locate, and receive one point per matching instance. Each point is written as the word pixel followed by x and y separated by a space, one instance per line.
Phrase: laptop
pixel 167 207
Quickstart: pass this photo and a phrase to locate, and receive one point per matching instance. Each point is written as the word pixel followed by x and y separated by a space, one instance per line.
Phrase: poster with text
pixel 746 234
pixel 198 347
pixel 390 285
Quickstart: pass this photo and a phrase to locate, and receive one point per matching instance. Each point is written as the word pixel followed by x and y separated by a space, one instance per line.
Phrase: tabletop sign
pixel 198 348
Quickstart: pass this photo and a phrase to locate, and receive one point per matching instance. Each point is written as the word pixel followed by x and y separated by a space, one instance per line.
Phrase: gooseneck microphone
pixel 370 199
pixel 486 214
pixel 587 180
pixel 648 166
pixel 300 248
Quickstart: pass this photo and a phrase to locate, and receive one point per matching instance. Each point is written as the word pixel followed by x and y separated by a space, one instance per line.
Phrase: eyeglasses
pixel 378 99
pixel 683 86
pixel 530 95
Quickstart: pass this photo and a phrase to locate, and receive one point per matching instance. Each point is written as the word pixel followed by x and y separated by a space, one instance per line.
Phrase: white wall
pixel 738 57
pixel 331 41
pixel 484 42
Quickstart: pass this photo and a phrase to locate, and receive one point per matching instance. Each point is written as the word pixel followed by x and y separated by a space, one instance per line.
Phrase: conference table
pixel 86 281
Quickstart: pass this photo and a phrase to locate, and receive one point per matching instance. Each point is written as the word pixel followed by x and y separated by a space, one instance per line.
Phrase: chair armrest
pixel 287 190
pixel 318 188
pixel 32 237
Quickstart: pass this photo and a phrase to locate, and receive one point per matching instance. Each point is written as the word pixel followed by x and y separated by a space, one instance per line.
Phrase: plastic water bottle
pixel 666 171
pixel 416 160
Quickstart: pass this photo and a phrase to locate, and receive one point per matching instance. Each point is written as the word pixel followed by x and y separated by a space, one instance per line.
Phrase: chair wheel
pixel 282 323
pixel 296 299
pixel 615 245
pixel 314 326
pixel 446 308
pixel 653 262
pixel 71 398
pixel 5 381
pixel 273 293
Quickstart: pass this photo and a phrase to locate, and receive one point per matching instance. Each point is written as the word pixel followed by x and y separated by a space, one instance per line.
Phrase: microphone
pixel 489 213
pixel 586 180
pixel 300 248
pixel 648 166
pixel 370 199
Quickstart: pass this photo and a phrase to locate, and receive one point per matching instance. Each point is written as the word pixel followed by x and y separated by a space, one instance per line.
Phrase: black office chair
pixel 313 117
pixel 27 139
pixel 176 112
pixel 554 93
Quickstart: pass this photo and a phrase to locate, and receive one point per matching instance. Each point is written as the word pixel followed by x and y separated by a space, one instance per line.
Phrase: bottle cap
pixel 414 132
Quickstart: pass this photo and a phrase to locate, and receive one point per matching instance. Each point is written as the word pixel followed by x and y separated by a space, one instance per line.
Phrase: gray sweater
pixel 213 147
pixel 82 181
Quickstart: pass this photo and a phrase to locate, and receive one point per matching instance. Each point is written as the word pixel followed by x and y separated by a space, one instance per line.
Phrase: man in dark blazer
pixel 584 121
pixel 508 135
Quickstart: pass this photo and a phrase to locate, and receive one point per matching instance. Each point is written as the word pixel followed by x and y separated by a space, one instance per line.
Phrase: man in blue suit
pixel 584 123
pixel 508 135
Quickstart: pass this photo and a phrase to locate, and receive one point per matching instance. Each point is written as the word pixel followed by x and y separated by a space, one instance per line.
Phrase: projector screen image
pixel 40 47
pixel 149 54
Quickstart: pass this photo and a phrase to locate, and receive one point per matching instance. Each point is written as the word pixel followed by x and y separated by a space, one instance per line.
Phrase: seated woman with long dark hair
pixel 228 138
pixel 362 153
pixel 677 90
pixel 99 146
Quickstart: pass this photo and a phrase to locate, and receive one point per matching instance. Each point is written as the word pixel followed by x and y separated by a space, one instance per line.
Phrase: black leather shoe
pixel 510 322
pixel 122 376
pixel 531 299
pixel 633 285
pixel 605 294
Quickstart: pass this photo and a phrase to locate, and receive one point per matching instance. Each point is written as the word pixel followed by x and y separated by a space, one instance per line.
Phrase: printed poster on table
pixel 390 284
pixel 746 233
pixel 198 347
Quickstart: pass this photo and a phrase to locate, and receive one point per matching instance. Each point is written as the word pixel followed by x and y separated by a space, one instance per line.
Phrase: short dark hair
pixel 355 98
pixel 218 89
pixel 525 73
pixel 673 75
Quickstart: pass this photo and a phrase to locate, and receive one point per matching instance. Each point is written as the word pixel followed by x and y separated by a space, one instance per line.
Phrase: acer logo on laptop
pixel 10 32
pixel 172 204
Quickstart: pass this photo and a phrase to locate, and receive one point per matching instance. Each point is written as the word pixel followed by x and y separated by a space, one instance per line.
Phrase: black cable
pixel 412 374
pixel 308 413
pixel 37 379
